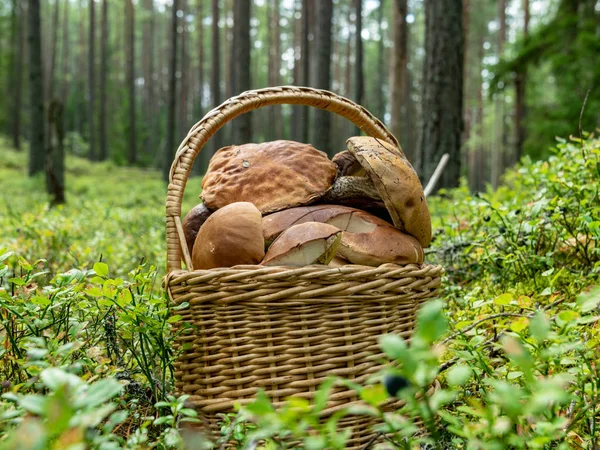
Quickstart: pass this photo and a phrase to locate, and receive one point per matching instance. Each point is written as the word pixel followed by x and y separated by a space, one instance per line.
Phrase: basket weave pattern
pixel 282 329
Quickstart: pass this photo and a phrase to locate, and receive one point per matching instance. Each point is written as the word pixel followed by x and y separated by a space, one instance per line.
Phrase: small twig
pixel 496 338
pixel 473 325
pixel 437 173
pixel 372 441
pixel 581 113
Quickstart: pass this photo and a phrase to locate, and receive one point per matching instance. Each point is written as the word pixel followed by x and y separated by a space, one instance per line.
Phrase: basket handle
pixel 201 132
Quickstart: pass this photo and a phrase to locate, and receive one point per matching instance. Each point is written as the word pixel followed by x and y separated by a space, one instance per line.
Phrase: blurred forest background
pixel 126 79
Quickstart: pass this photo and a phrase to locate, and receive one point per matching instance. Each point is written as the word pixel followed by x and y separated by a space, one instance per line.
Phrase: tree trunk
pixel 274 130
pixel 305 64
pixel 399 72
pixel 520 103
pixel 442 90
pixel 348 65
pixel 65 59
pixel 17 72
pixel 183 90
pixel 130 45
pixel 200 54
pixel 55 158
pixel 170 143
pixel 228 44
pixel 380 102
pixel 103 74
pixel 478 161
pixel 215 78
pixel 242 126
pixel 201 163
pixel 36 90
pixel 296 72
pixel 358 63
pixel 148 67
pixel 53 47
pixel 498 153
pixel 322 119
pixel 91 82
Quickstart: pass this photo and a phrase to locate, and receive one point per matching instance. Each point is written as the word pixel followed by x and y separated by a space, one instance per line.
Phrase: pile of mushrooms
pixel 285 203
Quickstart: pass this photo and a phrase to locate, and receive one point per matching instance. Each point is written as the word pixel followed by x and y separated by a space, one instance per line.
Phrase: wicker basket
pixel 282 329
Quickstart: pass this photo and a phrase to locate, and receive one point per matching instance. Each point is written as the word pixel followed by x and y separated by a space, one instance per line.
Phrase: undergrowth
pixel 86 360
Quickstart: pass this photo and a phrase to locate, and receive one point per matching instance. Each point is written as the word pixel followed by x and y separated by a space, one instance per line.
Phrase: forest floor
pixel 513 341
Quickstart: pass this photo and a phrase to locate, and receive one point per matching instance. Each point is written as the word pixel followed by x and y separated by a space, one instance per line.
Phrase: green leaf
pixel 567 316
pixel 33 403
pixel 520 324
pixel 431 322
pixel 99 392
pixel 374 395
pixel 539 326
pixel 54 379
pixel 393 345
pixel 173 319
pixel 504 299
pixel 173 438
pixel 459 375
pixel 101 269
pixel 163 419
pixel 441 398
pixel 323 393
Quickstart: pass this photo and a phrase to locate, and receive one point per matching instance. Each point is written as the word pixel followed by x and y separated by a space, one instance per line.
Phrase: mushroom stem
pixel 351 187
pixel 356 192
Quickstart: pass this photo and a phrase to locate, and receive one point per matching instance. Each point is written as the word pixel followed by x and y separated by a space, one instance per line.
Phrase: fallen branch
pixel 437 173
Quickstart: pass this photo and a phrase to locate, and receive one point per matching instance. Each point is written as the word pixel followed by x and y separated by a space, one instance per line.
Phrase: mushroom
pixel 231 236
pixel 347 164
pixel 378 245
pixel 272 175
pixel 304 244
pixel 397 183
pixel 336 215
pixel 338 261
pixel 366 239
pixel 192 223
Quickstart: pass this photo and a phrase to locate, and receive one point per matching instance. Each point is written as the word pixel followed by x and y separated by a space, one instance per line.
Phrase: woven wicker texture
pixel 281 329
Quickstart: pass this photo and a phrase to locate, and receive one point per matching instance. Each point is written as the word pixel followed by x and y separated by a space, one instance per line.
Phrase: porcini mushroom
pixel 304 244
pixel 347 164
pixel 192 223
pixel 397 183
pixel 379 245
pixel 336 215
pixel 231 236
pixel 272 175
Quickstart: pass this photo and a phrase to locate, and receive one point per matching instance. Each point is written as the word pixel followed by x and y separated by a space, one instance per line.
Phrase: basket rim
pixel 302 285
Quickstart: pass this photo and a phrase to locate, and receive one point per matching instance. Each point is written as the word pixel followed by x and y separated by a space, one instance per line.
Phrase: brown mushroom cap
pixel 397 183
pixel 381 245
pixel 192 223
pixel 272 175
pixel 336 215
pixel 304 244
pixel 231 236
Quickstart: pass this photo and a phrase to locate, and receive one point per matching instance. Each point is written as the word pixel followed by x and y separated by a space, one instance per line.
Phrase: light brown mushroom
pixel 338 261
pixel 378 245
pixel 272 175
pixel 336 215
pixel 231 236
pixel 397 183
pixel 304 244
pixel 192 223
